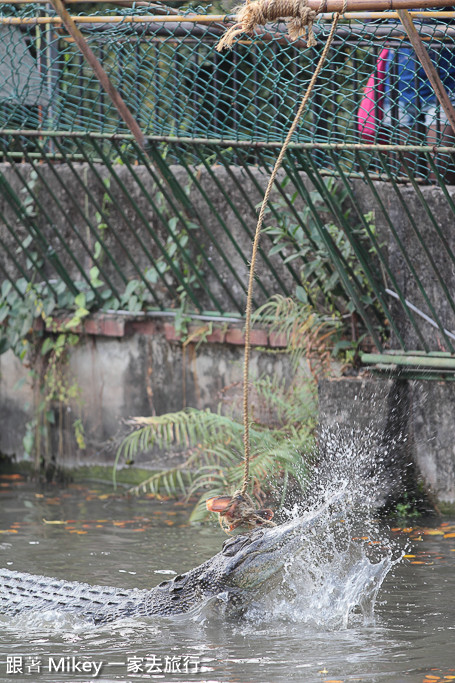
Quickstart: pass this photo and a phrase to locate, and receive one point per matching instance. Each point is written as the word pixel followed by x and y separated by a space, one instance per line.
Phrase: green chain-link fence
pixel 83 208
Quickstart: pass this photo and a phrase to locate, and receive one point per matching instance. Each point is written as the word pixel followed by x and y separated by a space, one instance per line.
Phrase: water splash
pixel 339 567
pixel 336 577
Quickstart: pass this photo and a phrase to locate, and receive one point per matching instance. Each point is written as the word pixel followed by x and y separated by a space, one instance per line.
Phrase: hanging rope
pixel 303 104
pixel 240 508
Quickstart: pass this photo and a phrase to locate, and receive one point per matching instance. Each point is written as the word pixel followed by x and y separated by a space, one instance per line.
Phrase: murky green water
pixel 132 542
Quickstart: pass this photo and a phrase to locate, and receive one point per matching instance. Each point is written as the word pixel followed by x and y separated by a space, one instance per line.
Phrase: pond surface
pixel 85 533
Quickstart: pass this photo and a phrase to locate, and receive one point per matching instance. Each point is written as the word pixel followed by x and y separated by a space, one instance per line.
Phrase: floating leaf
pixel 55 521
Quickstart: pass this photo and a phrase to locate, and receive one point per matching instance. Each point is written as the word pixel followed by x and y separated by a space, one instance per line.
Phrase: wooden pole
pixel 430 70
pixel 100 73
pixel 222 19
pixel 373 5
pixel 328 6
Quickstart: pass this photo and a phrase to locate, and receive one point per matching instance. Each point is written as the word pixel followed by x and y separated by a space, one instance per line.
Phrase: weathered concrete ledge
pixel 125 324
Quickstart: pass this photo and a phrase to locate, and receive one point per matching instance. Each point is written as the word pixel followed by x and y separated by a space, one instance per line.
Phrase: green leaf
pixel 301 294
pixel 4 345
pixel 60 341
pixel 94 272
pixel 134 304
pixel 22 285
pixel 151 275
pixel 130 288
pixel 276 249
pixel 6 288
pixel 97 250
pixel 80 300
pixel 4 312
pixel 47 346
pixel 173 222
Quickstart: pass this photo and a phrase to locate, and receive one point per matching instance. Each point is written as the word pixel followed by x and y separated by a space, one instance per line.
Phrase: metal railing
pixel 85 209
pixel 176 84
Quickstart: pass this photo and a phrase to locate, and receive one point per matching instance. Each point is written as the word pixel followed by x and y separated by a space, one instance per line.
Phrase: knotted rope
pixel 261 12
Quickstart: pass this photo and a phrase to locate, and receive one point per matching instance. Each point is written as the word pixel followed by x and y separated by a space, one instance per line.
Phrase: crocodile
pixel 233 576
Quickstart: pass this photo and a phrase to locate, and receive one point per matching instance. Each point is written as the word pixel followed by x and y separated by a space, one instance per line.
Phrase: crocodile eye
pixel 233 545
pixel 257 534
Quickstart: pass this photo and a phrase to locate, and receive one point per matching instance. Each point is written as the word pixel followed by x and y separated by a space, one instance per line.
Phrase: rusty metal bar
pixel 100 73
pixel 226 142
pixel 428 66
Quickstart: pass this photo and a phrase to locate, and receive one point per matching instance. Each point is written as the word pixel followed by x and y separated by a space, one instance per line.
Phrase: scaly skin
pixel 234 574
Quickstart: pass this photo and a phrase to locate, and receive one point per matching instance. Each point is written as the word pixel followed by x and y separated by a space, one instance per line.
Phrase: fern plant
pixel 281 435
pixel 307 333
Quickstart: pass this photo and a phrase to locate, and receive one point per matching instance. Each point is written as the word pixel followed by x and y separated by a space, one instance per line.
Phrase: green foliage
pixel 322 315
pixel 28 307
pixel 307 334
pixel 306 234
pixel 22 306
pixel 281 445
pixel 22 303
pixel 407 508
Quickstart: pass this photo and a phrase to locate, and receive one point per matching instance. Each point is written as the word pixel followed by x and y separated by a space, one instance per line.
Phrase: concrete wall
pixel 136 367
pixel 65 205
pixel 409 424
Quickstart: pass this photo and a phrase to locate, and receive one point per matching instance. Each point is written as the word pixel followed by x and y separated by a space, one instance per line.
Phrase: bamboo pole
pixel 226 142
pixel 428 66
pixel 219 18
pixel 100 73
pixel 328 6
pixel 408 360
pixel 374 5
pixel 129 3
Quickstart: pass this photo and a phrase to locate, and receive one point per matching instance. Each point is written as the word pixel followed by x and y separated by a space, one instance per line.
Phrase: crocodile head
pixel 248 561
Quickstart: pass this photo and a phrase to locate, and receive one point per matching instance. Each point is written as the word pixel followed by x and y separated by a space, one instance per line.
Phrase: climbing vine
pixel 25 310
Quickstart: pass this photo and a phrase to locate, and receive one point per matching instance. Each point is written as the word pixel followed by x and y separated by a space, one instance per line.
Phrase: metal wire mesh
pixel 174 225
pixel 176 84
